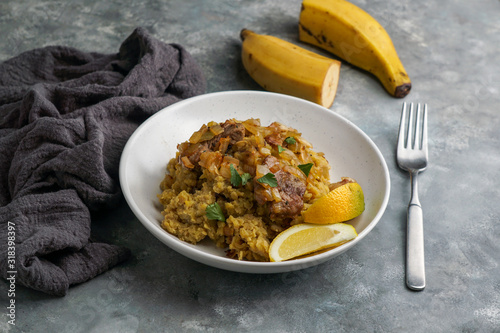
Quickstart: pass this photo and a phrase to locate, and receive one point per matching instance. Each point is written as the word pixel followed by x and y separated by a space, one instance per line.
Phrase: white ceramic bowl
pixel 350 152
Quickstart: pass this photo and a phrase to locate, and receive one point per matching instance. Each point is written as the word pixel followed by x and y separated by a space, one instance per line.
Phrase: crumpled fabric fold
pixel 65 116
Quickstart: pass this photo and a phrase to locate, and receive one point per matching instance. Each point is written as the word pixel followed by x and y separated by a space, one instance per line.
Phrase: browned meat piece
pixel 192 151
pixel 292 190
pixel 290 187
pixel 276 138
pixel 233 130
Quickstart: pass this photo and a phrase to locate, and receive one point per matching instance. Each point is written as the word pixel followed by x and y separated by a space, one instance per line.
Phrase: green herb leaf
pixel 214 212
pixel 290 140
pixel 268 179
pixel 306 168
pixel 280 149
pixel 235 176
pixel 245 178
pixel 237 179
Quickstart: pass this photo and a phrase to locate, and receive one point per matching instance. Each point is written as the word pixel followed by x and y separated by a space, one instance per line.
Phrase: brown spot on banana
pixel 309 32
pixel 402 90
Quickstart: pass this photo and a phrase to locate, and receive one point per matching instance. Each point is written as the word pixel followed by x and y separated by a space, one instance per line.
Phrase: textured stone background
pixel 450 50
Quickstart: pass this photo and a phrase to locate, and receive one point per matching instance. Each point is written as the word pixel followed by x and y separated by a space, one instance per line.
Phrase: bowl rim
pixel 239 265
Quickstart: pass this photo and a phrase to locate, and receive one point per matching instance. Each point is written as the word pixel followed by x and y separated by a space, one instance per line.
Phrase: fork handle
pixel 415 263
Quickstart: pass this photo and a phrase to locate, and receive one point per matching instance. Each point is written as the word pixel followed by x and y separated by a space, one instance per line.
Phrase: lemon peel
pixel 305 238
pixel 339 205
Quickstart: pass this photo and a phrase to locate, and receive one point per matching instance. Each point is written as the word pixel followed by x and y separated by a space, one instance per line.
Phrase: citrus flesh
pixel 306 238
pixel 339 205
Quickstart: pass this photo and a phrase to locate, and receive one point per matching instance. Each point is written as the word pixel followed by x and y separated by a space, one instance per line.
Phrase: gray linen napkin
pixel 65 116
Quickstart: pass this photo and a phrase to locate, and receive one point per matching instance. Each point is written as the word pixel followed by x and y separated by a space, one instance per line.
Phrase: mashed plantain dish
pixel 240 184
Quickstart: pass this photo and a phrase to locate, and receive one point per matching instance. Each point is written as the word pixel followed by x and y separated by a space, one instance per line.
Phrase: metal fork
pixel 412 156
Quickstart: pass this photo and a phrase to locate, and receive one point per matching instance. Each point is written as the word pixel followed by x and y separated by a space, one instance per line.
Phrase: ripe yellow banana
pixel 283 67
pixel 355 36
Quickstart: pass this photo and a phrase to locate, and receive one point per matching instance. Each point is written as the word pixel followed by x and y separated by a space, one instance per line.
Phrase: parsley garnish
pixel 268 179
pixel 290 140
pixel 245 178
pixel 237 179
pixel 214 212
pixel 306 168
pixel 280 149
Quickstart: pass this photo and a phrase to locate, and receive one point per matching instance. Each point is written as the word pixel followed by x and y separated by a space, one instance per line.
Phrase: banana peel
pixel 283 67
pixel 355 36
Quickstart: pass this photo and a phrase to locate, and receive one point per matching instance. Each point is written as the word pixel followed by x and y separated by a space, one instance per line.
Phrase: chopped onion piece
pixel 265 151
pixel 187 163
pixel 276 194
pixel 216 129
pixel 207 136
pixel 231 160
pixel 195 138
pixel 261 171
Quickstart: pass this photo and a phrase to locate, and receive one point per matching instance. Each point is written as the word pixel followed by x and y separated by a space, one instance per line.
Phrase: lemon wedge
pixel 339 205
pixel 302 239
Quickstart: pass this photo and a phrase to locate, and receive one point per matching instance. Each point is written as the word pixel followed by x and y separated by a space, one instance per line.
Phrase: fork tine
pixel 402 127
pixel 424 130
pixel 418 134
pixel 411 134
